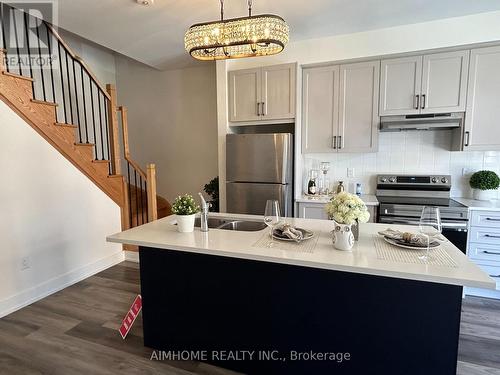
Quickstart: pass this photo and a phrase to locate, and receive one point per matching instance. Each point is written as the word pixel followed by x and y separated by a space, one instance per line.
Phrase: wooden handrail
pixel 113 130
pixel 78 58
pixel 126 149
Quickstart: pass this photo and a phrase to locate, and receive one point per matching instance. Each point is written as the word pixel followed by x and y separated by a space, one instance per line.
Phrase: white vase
pixel 343 238
pixel 483 195
pixel 185 223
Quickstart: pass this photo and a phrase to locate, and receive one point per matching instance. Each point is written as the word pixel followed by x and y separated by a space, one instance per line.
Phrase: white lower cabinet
pixel 316 210
pixel 483 248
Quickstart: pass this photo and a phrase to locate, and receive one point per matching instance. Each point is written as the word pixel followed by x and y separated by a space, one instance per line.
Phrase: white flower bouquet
pixel 348 209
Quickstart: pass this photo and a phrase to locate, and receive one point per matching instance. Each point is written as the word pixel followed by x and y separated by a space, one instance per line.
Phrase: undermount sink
pixel 231 224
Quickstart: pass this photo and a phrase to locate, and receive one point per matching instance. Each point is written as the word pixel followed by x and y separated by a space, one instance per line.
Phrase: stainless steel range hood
pixel 441 121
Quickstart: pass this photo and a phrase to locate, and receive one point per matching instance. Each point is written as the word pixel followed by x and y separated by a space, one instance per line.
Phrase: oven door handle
pixel 445 224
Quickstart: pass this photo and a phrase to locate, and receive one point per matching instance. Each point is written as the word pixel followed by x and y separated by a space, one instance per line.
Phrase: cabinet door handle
pixel 334 142
pixel 492 219
pixel 264 109
pixel 495 276
pixel 258 108
pixel 467 137
pixel 417 99
pixel 340 142
pixel 423 101
pixel 491 236
pixel 491 252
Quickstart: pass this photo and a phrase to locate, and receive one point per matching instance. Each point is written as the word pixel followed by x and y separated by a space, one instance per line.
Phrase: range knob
pixel 383 179
pixel 444 180
pixel 434 179
pixel 392 179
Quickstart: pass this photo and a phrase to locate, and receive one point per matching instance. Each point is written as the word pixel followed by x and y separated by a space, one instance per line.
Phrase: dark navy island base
pixel 223 307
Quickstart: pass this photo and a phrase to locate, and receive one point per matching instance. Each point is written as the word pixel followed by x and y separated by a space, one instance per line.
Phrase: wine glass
pixel 430 226
pixel 272 215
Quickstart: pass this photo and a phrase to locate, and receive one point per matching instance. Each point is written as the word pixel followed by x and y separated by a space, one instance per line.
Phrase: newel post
pixel 113 130
pixel 152 203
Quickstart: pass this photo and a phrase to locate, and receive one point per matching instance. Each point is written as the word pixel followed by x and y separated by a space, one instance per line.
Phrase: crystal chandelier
pixel 249 36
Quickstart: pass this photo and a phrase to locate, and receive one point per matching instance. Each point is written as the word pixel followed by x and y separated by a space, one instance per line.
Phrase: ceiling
pixel 154 35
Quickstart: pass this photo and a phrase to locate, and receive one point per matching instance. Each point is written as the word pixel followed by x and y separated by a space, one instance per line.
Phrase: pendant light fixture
pixel 250 36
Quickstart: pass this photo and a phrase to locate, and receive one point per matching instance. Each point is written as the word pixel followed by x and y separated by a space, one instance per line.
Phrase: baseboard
pixel 27 297
pixel 487 293
pixel 132 256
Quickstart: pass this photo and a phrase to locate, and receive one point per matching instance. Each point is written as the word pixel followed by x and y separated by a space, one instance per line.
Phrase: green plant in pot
pixel 212 189
pixel 185 208
pixel 484 184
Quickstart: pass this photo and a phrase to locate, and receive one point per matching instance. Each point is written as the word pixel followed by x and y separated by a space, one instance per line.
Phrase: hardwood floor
pixel 75 331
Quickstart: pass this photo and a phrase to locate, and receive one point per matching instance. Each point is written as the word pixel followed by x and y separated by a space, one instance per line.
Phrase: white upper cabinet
pixel 340 108
pixel 358 109
pixel 482 124
pixel 444 82
pixel 320 109
pixel 244 95
pixel 259 94
pixel 278 92
pixel 434 83
pixel 400 82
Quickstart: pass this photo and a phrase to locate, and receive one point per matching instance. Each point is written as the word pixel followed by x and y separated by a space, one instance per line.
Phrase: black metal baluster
pixel 84 106
pixel 142 200
pixel 27 27
pixel 147 202
pixel 76 97
pixel 136 198
pixel 4 38
pixel 17 42
pixel 96 146
pixel 106 126
pixel 62 82
pixel 129 194
pixel 100 122
pixel 49 45
pixel 70 100
pixel 40 61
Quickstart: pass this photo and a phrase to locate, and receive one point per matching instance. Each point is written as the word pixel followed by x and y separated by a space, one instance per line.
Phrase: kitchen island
pixel 257 310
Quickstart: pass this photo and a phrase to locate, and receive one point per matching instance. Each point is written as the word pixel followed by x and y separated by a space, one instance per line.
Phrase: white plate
pixel 392 242
pixel 306 235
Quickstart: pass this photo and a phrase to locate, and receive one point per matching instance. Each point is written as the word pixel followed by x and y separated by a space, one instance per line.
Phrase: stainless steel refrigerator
pixel 259 167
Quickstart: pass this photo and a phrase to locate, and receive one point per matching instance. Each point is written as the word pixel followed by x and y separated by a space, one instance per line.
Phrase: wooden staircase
pixel 91 144
pixel 16 91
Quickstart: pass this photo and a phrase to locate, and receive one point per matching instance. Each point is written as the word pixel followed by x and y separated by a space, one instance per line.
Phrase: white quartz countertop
pixel 370 200
pixel 473 204
pixel 362 259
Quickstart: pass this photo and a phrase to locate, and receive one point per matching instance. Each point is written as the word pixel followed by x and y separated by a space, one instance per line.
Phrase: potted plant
pixel 484 184
pixel 186 209
pixel 346 210
pixel 212 189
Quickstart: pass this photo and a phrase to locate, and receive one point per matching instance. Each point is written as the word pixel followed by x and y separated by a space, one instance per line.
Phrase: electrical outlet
pixel 465 171
pixel 25 263
pixel 350 172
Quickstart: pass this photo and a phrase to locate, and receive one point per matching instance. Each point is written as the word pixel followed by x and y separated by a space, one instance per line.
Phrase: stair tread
pixel 66 125
pixel 115 176
pixel 44 102
pixel 100 161
pixel 14 75
pixel 85 144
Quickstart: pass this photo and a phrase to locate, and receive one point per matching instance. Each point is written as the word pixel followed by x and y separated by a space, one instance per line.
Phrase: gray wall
pixel 172 123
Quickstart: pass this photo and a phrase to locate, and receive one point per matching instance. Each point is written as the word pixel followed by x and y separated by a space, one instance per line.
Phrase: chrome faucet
pixel 205 206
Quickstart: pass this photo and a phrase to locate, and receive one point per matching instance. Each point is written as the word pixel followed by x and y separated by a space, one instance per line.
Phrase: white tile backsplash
pixel 413 152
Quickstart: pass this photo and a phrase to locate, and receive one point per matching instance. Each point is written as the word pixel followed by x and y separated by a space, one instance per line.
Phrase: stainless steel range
pixel 403 197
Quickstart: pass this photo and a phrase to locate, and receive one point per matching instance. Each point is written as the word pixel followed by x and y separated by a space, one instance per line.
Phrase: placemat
pixel 306 246
pixel 437 256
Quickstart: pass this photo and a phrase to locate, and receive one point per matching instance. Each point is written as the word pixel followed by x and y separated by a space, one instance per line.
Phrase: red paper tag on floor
pixel 131 316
